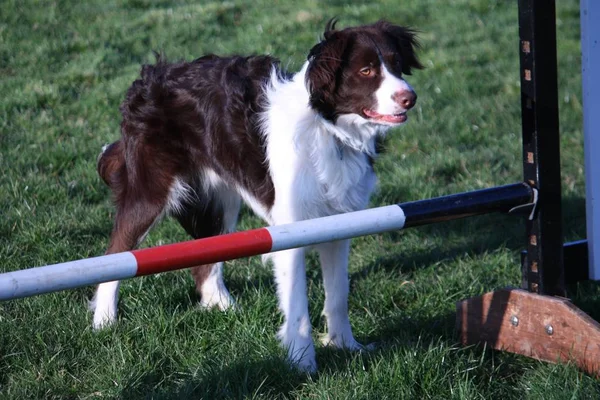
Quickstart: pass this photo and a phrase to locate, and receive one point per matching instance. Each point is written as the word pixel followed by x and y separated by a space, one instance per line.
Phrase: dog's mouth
pixel 386 118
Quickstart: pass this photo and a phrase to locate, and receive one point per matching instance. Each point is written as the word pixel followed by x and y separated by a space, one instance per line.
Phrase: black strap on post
pixel 542 268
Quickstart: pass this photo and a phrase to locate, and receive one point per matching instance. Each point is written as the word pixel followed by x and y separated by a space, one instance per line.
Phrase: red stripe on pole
pixel 202 251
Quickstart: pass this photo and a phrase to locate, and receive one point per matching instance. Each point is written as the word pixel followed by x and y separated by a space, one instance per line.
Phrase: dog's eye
pixel 366 71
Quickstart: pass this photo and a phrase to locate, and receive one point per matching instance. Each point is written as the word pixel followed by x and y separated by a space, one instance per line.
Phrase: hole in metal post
pixel 534 266
pixel 530 157
pixel 534 287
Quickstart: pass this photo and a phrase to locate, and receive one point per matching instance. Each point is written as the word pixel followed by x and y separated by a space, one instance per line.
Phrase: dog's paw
pixel 305 365
pixel 300 350
pixel 105 314
pixel 303 359
pixel 104 318
pixel 221 301
pixel 345 343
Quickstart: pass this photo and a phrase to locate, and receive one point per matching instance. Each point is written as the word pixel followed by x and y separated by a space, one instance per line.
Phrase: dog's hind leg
pixel 133 221
pixel 139 204
pixel 211 287
pixel 207 215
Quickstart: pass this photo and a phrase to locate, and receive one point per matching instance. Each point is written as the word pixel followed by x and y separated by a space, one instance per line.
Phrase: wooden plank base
pixel 542 327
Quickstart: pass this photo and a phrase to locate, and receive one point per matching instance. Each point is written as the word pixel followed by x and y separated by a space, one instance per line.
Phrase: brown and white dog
pixel 200 137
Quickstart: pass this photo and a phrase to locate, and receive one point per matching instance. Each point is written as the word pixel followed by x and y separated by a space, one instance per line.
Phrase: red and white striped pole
pixel 90 271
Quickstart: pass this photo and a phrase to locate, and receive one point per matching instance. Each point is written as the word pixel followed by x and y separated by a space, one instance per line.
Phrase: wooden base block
pixel 542 327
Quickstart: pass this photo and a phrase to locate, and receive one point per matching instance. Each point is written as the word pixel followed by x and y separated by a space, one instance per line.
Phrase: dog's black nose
pixel 405 98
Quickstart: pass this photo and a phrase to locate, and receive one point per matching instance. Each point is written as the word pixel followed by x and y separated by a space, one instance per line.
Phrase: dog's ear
pixel 406 40
pixel 329 31
pixel 325 62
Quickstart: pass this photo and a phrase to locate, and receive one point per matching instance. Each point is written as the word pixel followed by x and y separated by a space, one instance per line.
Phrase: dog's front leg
pixel 334 264
pixel 295 333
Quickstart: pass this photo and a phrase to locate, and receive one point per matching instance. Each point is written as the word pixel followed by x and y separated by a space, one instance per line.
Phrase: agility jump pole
pixel 130 264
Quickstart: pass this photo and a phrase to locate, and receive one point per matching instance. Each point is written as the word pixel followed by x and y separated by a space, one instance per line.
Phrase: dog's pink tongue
pixel 394 119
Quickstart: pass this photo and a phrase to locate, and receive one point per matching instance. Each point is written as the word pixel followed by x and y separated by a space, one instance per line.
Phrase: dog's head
pixel 359 71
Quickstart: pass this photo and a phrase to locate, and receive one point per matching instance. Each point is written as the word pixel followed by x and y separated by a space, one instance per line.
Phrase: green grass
pixel 64 68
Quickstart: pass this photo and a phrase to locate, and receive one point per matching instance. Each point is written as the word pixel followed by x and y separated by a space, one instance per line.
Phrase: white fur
pixel 390 85
pixel 210 180
pixel 179 192
pixel 295 333
pixel 318 168
pixel 256 206
pixel 213 292
pixel 104 304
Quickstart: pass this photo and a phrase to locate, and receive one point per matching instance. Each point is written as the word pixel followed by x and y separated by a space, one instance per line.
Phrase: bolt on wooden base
pixel 542 327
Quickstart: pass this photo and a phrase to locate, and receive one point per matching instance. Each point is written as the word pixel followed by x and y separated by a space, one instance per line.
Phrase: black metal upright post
pixel 543 265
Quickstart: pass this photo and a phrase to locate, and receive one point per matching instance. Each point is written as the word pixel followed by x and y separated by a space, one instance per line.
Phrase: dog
pixel 199 138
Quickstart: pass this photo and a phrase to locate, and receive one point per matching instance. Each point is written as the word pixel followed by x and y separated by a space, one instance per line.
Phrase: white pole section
pixel 68 275
pixel 590 68
pixel 336 227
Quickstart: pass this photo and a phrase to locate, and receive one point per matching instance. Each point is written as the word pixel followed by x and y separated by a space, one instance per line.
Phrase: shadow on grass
pixel 273 378
pixel 586 296
pixel 241 379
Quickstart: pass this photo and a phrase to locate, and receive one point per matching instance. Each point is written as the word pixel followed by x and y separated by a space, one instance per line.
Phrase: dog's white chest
pixel 337 185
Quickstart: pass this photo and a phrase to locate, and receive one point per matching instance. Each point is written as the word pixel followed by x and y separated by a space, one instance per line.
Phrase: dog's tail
pixel 110 161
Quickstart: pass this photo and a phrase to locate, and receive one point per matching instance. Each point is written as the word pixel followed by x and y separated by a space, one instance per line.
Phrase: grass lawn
pixel 64 69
